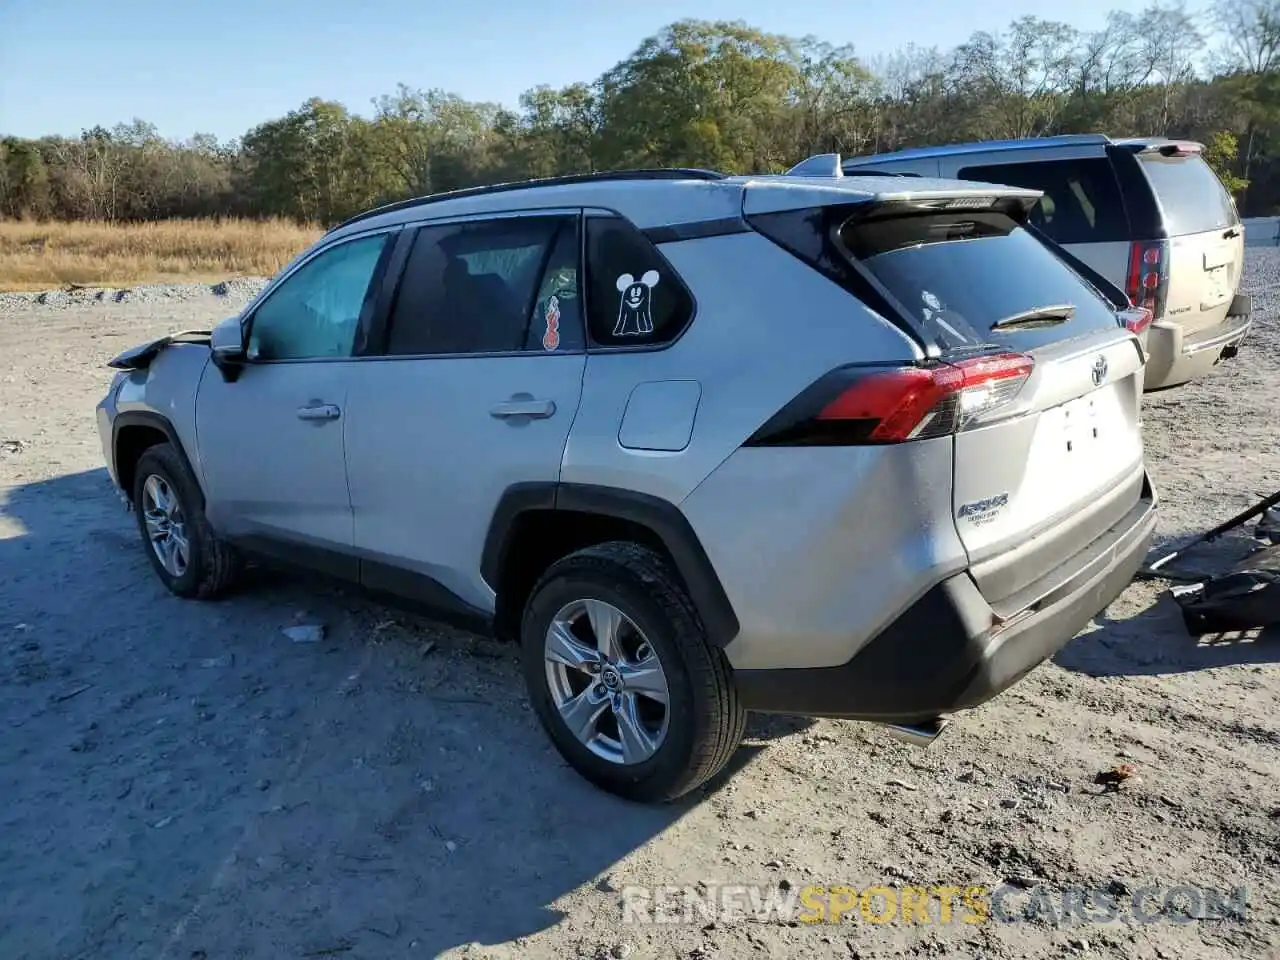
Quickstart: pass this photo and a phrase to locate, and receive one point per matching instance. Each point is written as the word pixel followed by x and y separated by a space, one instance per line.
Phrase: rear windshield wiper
pixel 1037 317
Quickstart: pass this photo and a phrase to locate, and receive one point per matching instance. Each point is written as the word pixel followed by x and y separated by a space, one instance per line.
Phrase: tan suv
pixel 1148 214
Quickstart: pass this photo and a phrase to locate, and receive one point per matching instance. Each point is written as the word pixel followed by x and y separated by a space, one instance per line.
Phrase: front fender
pixel 164 396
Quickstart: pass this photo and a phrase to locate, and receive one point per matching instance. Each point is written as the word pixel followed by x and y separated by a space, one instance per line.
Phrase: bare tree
pixel 1170 44
pixel 1250 32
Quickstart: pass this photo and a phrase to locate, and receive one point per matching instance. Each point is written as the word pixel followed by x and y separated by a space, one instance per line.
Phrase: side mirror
pixel 227 344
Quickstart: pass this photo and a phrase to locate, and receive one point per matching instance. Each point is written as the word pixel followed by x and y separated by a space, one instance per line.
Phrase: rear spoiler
pixel 1165 148
pixel 912 193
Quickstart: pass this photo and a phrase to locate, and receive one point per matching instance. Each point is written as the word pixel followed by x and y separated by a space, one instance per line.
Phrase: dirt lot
pixel 180 780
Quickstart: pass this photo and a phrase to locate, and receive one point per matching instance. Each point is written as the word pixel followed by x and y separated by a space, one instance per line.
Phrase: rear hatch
pixel 1204 251
pixel 1048 450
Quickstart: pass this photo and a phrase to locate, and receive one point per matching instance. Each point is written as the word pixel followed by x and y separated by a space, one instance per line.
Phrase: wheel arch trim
pixel 660 516
pixel 155 421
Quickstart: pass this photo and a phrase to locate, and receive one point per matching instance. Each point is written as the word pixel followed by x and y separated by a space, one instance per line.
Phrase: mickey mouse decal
pixel 635 311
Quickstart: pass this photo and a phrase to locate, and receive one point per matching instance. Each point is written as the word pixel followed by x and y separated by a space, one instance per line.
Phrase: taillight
pixel 1135 319
pixel 1148 279
pixel 861 405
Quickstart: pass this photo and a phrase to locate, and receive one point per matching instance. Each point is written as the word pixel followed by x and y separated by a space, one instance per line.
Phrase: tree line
pixel 718 95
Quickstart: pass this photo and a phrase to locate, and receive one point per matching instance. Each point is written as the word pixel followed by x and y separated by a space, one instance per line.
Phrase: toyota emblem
pixel 1099 372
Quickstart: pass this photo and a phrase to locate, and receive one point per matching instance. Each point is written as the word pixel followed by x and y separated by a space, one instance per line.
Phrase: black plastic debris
pixel 1244 598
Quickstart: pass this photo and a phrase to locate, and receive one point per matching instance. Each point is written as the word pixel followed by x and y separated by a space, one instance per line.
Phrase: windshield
pixel 1190 194
pixel 959 274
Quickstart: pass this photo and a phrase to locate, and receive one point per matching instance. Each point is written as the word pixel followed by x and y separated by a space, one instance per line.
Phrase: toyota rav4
pixel 846 447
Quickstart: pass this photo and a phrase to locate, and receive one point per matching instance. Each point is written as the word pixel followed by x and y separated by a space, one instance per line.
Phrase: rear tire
pixel 703 721
pixel 190 559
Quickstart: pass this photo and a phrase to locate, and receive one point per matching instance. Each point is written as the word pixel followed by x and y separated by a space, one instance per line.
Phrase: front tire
pixel 186 554
pixel 623 678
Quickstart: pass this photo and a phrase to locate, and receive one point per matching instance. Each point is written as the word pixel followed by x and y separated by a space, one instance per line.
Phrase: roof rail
pixel 663 173
pixel 980 146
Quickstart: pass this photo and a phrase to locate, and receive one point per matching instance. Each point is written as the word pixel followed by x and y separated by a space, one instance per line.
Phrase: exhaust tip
pixel 920 734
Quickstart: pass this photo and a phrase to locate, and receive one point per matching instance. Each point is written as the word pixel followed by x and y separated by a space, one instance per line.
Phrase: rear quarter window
pixel 634 297
pixel 957 274
pixel 1081 203
pixel 1190 194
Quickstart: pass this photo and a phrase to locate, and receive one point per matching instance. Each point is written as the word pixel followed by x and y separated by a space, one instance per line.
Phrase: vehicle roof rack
pixel 662 173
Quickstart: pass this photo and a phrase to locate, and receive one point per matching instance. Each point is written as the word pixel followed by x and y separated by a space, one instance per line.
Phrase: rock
pixel 263 784
pixel 1081 944
pixel 606 885
pixel 225 660
pixel 784 884
pixel 305 632
pixel 428 648
pixel 752 814
pixel 901 783
pixel 1010 803
pixel 450 846
pixel 774 864
pixel 162 823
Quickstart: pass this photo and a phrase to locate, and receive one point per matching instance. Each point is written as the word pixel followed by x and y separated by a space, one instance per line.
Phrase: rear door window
pixel 490 286
pixel 1081 202
pixel 1190 194
pixel 958 274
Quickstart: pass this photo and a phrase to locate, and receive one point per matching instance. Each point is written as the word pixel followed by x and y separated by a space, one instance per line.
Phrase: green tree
pixel 1222 153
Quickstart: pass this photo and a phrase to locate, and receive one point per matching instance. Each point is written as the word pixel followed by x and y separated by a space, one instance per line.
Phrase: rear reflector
pixel 854 405
pixel 1135 319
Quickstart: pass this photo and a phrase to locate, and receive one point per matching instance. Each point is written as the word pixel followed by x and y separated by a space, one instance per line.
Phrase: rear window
pixel 959 273
pixel 1081 202
pixel 1190 194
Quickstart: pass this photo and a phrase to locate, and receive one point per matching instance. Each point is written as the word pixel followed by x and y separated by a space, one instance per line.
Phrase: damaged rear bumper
pixel 949 651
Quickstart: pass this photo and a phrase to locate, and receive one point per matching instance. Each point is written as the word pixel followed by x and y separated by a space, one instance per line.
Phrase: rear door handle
pixel 320 411
pixel 533 409
pixel 1231 234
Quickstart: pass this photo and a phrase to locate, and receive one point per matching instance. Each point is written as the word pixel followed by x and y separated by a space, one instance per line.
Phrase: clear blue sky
pixel 221 66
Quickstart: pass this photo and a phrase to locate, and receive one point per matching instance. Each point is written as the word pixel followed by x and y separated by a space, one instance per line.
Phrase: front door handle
pixel 320 411
pixel 533 409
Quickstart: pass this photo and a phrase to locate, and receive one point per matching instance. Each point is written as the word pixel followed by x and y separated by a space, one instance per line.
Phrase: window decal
pixel 635 311
pixel 551 336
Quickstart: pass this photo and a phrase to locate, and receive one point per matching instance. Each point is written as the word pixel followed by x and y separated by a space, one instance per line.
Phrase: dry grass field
pixel 40 256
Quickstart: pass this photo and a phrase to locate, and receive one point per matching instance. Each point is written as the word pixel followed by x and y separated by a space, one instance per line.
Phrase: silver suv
pixel 1148 214
pixel 701 444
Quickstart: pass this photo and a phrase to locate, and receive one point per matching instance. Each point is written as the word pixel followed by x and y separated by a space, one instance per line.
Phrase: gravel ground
pixel 181 780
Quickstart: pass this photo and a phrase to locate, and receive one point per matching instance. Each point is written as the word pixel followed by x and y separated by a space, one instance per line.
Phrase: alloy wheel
pixel 607 681
pixel 166 525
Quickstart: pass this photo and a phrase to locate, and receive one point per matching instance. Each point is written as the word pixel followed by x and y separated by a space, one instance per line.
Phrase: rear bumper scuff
pixel 948 651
